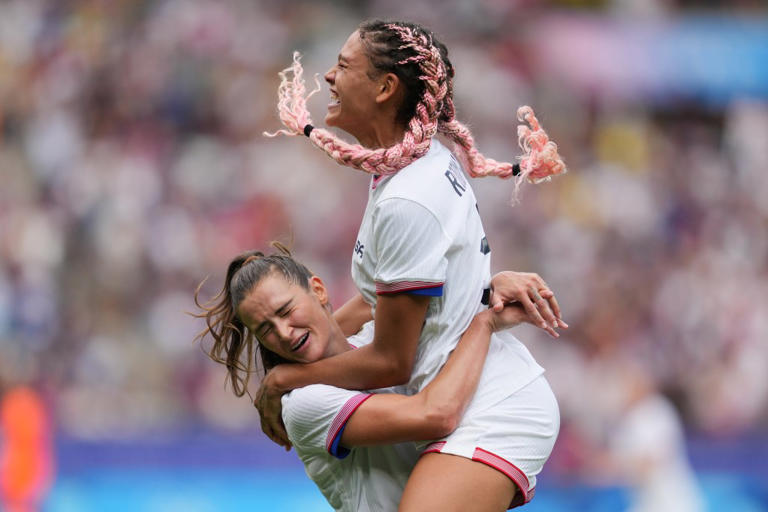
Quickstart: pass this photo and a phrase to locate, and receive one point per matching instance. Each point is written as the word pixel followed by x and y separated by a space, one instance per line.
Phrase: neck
pixel 382 135
pixel 338 343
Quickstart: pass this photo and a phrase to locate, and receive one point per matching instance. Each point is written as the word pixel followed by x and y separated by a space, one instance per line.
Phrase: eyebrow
pixel 278 312
pixel 341 57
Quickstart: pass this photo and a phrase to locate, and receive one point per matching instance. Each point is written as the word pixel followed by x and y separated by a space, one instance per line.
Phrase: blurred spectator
pixel 26 462
pixel 647 447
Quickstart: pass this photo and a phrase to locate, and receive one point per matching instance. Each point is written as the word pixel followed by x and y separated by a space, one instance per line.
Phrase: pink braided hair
pixel 434 112
pixel 539 162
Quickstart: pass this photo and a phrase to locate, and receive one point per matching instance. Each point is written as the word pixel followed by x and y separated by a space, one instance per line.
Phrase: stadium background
pixel 132 166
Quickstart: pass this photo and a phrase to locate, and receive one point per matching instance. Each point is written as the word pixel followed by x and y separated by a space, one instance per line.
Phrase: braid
pixel 540 160
pixel 403 48
pixel 421 63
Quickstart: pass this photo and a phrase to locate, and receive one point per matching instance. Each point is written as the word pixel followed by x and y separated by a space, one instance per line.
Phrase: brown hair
pixel 231 338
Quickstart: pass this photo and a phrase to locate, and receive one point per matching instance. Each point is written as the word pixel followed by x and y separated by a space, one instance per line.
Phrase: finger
pixel 281 439
pixel 284 436
pixel 556 310
pixel 543 307
pixel 545 291
pixel 268 431
pixel 541 283
pixel 274 435
pixel 278 431
pixel 551 331
pixel 493 303
pixel 533 312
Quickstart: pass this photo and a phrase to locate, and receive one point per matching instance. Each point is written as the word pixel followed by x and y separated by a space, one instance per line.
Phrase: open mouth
pixel 301 342
pixel 334 99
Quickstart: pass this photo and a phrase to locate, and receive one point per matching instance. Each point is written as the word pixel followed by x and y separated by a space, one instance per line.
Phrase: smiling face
pixel 289 320
pixel 353 91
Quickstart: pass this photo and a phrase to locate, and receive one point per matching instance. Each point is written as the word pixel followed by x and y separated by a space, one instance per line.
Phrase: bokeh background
pixel 133 166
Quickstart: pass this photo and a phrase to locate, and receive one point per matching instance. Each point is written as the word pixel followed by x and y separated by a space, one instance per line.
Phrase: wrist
pixel 485 321
pixel 278 379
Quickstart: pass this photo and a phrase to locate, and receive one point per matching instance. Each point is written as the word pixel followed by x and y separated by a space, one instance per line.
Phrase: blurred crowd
pixel 133 166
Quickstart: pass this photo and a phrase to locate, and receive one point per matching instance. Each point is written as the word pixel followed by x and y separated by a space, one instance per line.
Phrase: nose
pixel 329 75
pixel 283 329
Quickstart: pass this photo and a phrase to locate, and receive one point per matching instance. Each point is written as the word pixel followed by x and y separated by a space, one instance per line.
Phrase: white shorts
pixel 515 436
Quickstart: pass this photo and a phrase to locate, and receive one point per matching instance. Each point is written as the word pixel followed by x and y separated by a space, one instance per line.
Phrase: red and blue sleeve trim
pixel 416 287
pixel 339 423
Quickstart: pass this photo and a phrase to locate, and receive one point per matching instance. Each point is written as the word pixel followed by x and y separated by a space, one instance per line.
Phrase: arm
pixel 435 411
pixel 410 247
pixel 353 314
pixel 387 361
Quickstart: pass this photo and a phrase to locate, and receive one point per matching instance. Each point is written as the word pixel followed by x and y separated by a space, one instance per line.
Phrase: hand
pixel 509 316
pixel 533 294
pixel 270 408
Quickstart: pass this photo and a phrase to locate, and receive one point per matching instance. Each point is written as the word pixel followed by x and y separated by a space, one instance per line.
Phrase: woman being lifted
pixel 422 265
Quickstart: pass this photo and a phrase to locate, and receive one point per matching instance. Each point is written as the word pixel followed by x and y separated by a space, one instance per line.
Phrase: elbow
pixel 401 376
pixel 441 421
pixel 397 373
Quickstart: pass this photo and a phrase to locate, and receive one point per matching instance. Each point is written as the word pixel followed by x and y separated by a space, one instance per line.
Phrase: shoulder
pixel 436 182
pixel 314 396
pixel 314 414
pixel 319 404
pixel 416 181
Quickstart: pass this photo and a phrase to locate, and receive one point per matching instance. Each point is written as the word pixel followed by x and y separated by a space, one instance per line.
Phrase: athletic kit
pixel 421 233
pixel 366 479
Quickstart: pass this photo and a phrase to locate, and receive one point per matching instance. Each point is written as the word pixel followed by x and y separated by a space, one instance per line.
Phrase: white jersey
pixel 422 233
pixel 362 479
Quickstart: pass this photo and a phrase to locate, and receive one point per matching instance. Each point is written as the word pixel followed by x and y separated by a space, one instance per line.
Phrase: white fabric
pixel 516 435
pixel 369 478
pixel 401 261
pixel 421 227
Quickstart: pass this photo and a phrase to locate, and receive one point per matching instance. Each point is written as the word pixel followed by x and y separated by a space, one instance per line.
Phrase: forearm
pixel 436 410
pixel 447 396
pixel 353 314
pixel 386 361
pixel 362 368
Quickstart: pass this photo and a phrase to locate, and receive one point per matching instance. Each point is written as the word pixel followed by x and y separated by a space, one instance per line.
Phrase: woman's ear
pixel 318 288
pixel 389 86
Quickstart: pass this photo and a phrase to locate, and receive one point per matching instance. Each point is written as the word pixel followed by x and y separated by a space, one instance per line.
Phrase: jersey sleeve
pixel 411 249
pixel 315 417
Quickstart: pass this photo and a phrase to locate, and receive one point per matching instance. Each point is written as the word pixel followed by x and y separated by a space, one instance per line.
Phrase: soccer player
pixel 422 262
pixel 277 302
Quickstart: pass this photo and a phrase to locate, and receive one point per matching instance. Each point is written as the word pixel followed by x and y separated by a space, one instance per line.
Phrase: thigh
pixel 448 483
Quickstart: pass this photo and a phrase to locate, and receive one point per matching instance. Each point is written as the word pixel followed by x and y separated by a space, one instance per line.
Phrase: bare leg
pixel 450 483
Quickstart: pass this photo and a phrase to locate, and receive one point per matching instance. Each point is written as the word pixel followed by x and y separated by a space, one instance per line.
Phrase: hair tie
pixel 308 129
pixel 516 170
